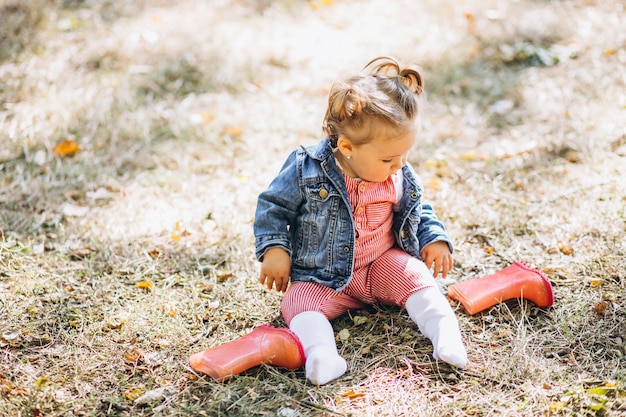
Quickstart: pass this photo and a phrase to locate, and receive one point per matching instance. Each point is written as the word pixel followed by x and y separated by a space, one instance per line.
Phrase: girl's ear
pixel 345 146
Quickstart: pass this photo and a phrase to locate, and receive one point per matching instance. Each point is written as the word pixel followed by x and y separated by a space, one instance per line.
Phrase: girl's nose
pixel 399 164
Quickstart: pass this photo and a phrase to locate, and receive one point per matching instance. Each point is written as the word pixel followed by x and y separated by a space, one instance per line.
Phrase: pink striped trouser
pixel 390 280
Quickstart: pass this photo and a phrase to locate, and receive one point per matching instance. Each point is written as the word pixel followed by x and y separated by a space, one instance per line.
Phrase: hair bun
pixel 410 76
pixel 348 102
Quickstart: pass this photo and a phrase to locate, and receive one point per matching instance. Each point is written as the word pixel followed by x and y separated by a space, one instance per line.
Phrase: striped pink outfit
pixel 382 272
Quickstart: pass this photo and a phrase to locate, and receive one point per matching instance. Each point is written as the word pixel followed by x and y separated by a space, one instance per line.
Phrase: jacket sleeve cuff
pixel 263 243
pixel 437 239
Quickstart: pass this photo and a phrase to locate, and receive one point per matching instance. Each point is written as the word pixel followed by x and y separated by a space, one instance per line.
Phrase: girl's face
pixel 376 160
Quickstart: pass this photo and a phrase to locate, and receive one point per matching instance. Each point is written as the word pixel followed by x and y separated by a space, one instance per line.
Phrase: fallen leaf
pixel 234 131
pixel 133 394
pixel 600 308
pixel 147 285
pixel 115 322
pixel 596 282
pixel 344 335
pixel 601 390
pixel 161 342
pixel 79 253
pixel 224 277
pixel 66 148
pixel 352 395
pixel 471 21
pixel 133 357
pixel 41 381
pixel 155 395
pixel 557 406
pixel 566 250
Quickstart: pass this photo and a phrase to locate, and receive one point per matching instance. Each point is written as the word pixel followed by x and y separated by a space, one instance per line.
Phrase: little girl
pixel 344 220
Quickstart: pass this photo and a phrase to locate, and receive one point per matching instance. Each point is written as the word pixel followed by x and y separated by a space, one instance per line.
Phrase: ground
pixel 136 136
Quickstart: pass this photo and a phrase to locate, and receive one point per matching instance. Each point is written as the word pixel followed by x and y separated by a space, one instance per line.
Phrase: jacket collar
pixel 322 151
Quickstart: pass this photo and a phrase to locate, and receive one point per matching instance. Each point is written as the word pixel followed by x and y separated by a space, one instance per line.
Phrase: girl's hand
pixel 437 256
pixel 275 269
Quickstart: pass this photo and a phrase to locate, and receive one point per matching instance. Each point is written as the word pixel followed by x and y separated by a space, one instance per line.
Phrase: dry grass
pixel 185 111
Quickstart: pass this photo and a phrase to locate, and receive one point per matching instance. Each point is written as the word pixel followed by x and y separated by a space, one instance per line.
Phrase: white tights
pixel 428 308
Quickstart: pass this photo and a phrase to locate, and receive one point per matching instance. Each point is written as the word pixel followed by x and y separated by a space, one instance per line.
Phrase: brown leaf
pixel 600 308
pixel 225 276
pixel 352 395
pixel 79 253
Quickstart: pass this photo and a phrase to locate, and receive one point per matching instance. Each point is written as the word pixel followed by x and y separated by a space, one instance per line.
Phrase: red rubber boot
pixel 515 281
pixel 265 344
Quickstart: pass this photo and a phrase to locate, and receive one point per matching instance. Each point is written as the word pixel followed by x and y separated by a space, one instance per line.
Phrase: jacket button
pixel 341 283
pixel 403 234
pixel 323 193
pixel 346 249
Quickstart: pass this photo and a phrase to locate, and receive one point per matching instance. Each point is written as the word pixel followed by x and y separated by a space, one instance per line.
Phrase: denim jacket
pixel 306 211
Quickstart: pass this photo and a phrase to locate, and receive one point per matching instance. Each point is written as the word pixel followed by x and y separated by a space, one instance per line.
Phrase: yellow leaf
pixel 557 406
pixel 144 284
pixel 596 282
pixel 66 148
pixel 175 237
pixel 234 131
pixel 468 156
pixel 488 249
pixel 40 381
pixel 566 250
pixel 134 393
pixel 600 390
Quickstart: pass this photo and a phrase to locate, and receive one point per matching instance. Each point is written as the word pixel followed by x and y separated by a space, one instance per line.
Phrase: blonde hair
pixel 384 96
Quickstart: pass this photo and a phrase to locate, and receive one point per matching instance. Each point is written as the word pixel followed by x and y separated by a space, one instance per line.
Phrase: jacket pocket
pixel 312 232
